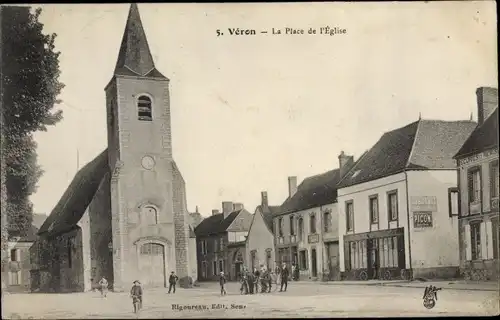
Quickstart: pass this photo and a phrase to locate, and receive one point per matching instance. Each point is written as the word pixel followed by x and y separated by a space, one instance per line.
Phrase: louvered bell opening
pixel 144 111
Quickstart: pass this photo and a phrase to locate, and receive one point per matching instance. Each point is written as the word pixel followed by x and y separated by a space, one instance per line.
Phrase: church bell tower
pixel 144 189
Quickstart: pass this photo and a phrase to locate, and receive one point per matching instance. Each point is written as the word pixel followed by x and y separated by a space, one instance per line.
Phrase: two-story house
pixel 220 241
pixel 306 227
pixel 479 185
pixel 260 240
pixel 395 215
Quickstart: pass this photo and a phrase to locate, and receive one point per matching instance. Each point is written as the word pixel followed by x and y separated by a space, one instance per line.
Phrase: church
pixel 124 216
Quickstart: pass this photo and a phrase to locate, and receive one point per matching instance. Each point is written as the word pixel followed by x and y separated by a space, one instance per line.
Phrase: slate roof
pixel 77 197
pixel 313 192
pixel 135 57
pixel 267 214
pixel 483 138
pixel 215 224
pixel 420 145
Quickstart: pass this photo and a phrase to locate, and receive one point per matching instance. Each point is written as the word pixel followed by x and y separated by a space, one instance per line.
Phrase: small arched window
pixel 144 108
pixel 149 215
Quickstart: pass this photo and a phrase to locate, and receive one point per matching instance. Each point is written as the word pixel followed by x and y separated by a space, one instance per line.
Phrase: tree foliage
pixel 30 71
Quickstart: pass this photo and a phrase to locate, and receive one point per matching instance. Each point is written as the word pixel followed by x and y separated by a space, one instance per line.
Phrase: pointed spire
pixel 134 50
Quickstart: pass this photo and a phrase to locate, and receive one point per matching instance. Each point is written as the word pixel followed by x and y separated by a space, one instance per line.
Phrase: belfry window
pixel 144 110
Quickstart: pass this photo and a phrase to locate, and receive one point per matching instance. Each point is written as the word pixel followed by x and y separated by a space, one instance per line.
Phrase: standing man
pixel 103 284
pixel 172 280
pixel 222 282
pixel 284 277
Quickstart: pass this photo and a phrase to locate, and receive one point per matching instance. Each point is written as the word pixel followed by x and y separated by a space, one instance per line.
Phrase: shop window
pixel 475 240
pixel 303 259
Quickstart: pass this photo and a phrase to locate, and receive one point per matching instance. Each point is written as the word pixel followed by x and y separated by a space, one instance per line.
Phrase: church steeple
pixel 135 57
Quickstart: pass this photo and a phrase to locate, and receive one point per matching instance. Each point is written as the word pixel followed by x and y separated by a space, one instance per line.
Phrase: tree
pixel 30 80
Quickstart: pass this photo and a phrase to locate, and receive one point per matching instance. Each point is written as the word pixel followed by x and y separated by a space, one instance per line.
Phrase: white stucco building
pixel 398 205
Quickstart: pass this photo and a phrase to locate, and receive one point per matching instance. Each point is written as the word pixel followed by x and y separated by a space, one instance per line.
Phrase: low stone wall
pixel 440 273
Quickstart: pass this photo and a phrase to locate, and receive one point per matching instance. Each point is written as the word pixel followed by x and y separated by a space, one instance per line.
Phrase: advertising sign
pixel 422 219
pixel 424 203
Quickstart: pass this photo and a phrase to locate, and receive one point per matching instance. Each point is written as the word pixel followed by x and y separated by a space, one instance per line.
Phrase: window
pixel 303 259
pixel 388 252
pixel 301 228
pixel 494 179
pixel 495 233
pixel 253 259
pixel 292 227
pixel 393 205
pixel 280 227
pixel 327 221
pixel 268 259
pixel 203 245
pixel 15 278
pixel 221 265
pixel 221 244
pixel 475 240
pixel 349 211
pixel 214 268
pixel 358 258
pixel 453 201
pixel 373 209
pixel 144 111
pixel 216 245
pixel 13 255
pixel 149 215
pixel 312 223
pixel 474 185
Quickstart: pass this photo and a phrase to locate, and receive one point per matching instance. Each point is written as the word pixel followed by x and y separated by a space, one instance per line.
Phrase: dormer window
pixel 144 110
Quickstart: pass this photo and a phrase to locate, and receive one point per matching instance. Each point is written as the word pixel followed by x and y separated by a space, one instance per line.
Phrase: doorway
pixel 332 251
pixel 314 264
pixel 373 263
pixel 152 265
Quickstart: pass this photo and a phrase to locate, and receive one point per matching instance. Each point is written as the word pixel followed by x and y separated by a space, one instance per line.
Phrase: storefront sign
pixel 422 219
pixel 424 203
pixel 478 156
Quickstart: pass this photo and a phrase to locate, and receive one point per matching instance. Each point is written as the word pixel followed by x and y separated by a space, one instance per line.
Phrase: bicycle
pixel 276 282
pixel 137 303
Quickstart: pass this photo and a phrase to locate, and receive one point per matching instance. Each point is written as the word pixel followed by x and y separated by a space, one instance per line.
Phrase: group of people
pixel 262 280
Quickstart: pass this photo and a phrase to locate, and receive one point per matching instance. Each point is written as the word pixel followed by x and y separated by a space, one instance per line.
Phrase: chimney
pixel 238 206
pixel 197 210
pixel 215 211
pixel 227 208
pixel 345 162
pixel 263 199
pixel 487 102
pixel 292 186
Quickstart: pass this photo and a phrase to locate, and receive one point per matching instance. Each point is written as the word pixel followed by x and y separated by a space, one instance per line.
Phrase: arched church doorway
pixel 152 264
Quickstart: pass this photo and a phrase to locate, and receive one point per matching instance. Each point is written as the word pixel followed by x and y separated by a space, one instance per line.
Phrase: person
pixel 284 277
pixel 222 281
pixel 244 282
pixel 103 284
pixel 136 292
pixel 250 280
pixel 172 281
pixel 256 274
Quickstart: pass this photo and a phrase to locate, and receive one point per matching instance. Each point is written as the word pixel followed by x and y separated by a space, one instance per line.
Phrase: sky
pixel 249 111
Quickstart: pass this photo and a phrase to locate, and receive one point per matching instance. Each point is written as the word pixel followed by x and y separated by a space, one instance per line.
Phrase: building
pixel 478 184
pixel 260 240
pixel 396 219
pixel 220 242
pixel 306 227
pixel 195 218
pixel 124 216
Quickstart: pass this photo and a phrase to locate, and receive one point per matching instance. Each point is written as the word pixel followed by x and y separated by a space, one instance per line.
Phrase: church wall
pixel 193 264
pixel 70 260
pixel 101 233
pixel 181 218
pixel 84 225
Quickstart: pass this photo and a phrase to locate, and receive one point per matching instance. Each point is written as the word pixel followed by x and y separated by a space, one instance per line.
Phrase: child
pixel 103 283
pixel 172 280
pixel 222 281
pixel 136 292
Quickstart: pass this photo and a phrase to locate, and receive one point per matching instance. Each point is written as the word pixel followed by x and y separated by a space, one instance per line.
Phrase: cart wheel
pixel 387 275
pixel 363 275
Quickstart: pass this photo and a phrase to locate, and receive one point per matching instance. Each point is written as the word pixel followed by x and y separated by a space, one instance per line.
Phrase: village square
pixel 408 226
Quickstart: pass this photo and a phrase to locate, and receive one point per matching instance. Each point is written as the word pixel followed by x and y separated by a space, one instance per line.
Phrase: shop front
pixel 375 255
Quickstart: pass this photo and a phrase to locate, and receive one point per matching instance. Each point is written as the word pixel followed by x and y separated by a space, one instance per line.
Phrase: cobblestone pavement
pixel 304 300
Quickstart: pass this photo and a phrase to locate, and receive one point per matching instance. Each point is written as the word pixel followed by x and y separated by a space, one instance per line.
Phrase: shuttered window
pixel 474 185
pixel 144 109
pixel 475 237
pixel 494 179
